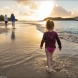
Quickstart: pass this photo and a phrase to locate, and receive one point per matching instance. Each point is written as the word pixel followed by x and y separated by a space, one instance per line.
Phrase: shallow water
pixel 67 30
pixel 21 57
pixel 65 26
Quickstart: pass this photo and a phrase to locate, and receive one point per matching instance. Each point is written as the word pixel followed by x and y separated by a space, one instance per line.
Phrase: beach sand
pixel 21 57
pixel 3 23
pixel 2 30
pixel 2 27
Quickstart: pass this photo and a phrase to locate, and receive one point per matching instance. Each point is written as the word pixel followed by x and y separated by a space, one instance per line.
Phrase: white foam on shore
pixel 40 28
pixel 62 35
pixel 69 37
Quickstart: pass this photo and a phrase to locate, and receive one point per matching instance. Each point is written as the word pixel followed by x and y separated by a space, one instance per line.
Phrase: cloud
pixel 28 13
pixel 59 11
pixel 75 13
pixel 6 10
pixel 23 1
pixel 31 3
pixel 29 7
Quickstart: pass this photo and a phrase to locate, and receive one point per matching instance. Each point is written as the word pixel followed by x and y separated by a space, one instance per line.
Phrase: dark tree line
pixel 59 18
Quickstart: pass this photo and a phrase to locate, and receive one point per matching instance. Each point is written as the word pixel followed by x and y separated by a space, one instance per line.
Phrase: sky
pixel 39 9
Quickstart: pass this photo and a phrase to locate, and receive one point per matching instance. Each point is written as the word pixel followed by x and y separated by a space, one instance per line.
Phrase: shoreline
pixel 62 34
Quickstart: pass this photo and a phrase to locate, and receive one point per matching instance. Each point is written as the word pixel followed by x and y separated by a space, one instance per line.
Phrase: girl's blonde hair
pixel 49 24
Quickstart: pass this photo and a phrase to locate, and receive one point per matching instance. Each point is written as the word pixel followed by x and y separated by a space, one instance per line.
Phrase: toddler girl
pixel 50 37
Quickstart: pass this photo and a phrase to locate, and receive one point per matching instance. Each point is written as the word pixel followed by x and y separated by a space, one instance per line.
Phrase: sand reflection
pixel 13 34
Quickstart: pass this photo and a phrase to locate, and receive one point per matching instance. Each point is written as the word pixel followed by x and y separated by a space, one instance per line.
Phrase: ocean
pixel 66 29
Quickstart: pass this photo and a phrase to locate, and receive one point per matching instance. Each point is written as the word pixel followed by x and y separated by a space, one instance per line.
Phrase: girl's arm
pixel 59 42
pixel 42 41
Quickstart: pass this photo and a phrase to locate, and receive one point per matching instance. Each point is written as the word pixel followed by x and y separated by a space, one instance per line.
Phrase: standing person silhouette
pixel 13 20
pixel 6 20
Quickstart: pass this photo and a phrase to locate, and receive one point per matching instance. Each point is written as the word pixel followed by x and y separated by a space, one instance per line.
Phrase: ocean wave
pixel 67 35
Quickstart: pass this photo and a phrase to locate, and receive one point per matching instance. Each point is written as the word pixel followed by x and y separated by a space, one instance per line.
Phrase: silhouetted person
pixel 6 20
pixel 13 34
pixel 13 20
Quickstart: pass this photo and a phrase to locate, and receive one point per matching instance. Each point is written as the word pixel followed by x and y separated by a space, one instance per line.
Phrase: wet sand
pixel 2 30
pixel 3 23
pixel 21 57
pixel 2 27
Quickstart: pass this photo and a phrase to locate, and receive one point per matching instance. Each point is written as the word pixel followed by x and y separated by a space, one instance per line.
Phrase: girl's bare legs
pixel 49 59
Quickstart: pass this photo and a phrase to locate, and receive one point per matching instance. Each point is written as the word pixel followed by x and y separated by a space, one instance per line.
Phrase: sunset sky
pixel 39 9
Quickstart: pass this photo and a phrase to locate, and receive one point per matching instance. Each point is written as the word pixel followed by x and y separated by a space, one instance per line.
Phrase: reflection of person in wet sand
pixel 13 34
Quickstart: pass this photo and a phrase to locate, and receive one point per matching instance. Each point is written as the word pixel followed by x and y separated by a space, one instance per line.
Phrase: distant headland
pixel 61 19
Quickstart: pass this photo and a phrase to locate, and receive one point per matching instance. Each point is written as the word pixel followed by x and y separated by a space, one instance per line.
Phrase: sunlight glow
pixel 45 9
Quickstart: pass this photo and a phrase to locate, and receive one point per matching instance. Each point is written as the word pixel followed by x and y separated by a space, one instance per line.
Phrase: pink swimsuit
pixel 50 49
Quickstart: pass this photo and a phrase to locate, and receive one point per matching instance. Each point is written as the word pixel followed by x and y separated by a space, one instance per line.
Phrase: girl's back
pixel 50 39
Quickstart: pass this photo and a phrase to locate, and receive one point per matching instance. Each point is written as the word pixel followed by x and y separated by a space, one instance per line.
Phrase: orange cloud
pixel 29 13
pixel 6 10
pixel 59 11
pixel 32 4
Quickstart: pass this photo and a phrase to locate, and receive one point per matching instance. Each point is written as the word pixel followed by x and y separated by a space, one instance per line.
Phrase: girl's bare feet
pixel 50 69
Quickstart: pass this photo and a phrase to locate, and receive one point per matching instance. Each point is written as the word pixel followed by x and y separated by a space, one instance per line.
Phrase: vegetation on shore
pixel 60 19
